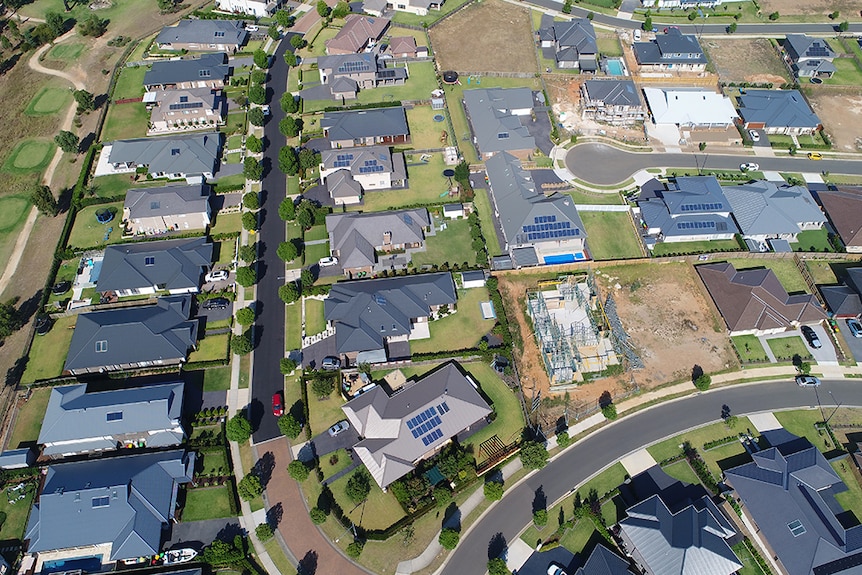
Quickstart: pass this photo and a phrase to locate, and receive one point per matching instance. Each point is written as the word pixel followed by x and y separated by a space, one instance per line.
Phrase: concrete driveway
pixel 198 534
pixel 825 354
pixel 325 443
pixel 853 343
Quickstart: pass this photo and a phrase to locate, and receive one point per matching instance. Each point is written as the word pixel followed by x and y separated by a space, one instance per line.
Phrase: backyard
pixel 125 121
pixel 611 235
pixel 425 131
pixel 668 248
pixel 16 513
pixel 752 60
pixel 87 232
pixel 48 352
pixel 850 500
pixel 425 181
pixel 784 269
pixel 447 246
pixel 28 421
pixel 460 330
pixel 509 422
pixel 207 503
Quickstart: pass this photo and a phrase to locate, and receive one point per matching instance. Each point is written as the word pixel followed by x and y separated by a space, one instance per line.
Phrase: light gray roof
pixel 802 46
pixel 196 101
pixel 73 414
pixel 496 128
pixel 400 429
pixel 204 32
pixel 673 47
pixel 124 501
pixel 16 458
pixel 360 161
pixel 181 154
pixel 174 264
pixel 763 207
pixel 603 561
pixel 777 109
pixel 167 201
pixel 348 63
pixel 376 122
pixel 161 332
pixel 523 210
pixel 208 67
pixel 686 206
pixel 342 185
pixel 367 311
pixel 374 5
pixel 355 235
pixel 614 92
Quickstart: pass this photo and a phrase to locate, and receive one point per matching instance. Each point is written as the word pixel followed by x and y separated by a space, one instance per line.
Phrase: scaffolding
pixel 620 339
pixel 557 353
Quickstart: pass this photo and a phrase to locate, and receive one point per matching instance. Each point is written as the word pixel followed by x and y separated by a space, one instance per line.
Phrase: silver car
pixel 807 381
pixel 342 425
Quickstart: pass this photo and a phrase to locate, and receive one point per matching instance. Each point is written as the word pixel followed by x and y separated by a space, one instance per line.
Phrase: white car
pixel 328 261
pixel 755 137
pixel 265 110
pixel 556 569
pixel 217 275
pixel 749 167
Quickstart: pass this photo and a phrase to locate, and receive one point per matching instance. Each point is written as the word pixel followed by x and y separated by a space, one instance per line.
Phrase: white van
pixel 637 35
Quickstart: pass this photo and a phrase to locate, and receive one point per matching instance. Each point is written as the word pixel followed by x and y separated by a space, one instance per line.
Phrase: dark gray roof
pixel 208 67
pixel 377 122
pixel 614 92
pixel 777 109
pixel 122 501
pixel 525 257
pixel 673 47
pixel 842 300
pixel 496 128
pixel 603 561
pixel 167 201
pixel 180 154
pixel 160 332
pixel 367 311
pixel 348 63
pixel 573 38
pixel 355 235
pixel 802 46
pixel 686 206
pixel 472 276
pixel 174 264
pixel 762 207
pixel 204 32
pixel 75 415
pixel 341 184
pixel 503 262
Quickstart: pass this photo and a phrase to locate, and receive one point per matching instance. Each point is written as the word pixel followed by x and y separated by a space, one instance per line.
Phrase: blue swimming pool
pixel 564 258
pixel 92 564
pixel 614 67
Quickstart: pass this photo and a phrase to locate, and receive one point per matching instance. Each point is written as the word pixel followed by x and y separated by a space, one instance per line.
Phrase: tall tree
pixel 44 200
pixel 67 141
pixel 56 23
pixel 86 101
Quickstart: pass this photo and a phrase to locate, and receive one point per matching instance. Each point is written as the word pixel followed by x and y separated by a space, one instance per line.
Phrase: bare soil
pixel 848 8
pixel 840 111
pixel 752 60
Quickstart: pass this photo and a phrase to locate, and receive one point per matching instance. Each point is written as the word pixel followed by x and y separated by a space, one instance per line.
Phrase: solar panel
pixel 354 66
pixel 186 106
pixel 444 408
pixel 503 136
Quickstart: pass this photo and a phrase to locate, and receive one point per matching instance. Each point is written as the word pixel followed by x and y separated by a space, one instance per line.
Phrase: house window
pixel 101 502
pixel 102 346
pixel 150 260
pixel 796 528
pixel 114 416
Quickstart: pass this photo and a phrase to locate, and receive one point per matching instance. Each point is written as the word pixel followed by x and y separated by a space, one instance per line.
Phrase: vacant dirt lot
pixel 472 40
pixel 746 60
pixel 795 7
pixel 840 110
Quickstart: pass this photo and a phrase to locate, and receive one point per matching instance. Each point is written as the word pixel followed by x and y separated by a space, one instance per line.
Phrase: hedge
pixel 393 104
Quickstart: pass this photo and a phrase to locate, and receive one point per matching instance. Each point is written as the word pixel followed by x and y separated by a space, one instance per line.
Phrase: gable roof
pixel 204 32
pixel 357 31
pixel 421 417
pixel 844 208
pixel 402 44
pixel 687 106
pixel 762 207
pixel 358 124
pixel 577 33
pixel 174 264
pixel 754 299
pixel 342 185
pixel 603 561
pixel 348 63
pixel 122 501
pixel 167 201
pixel 495 126
pixel 208 67
pixel 181 154
pixel 686 206
pixel 161 332
pixel 352 234
pixel 777 108
pixel 673 47
pixel 803 46
pixel 613 92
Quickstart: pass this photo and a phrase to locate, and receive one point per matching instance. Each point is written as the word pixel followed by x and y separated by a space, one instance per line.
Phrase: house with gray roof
pixel 845 299
pixel 672 51
pixel 538 229
pixel 574 44
pixel 162 334
pixel 809 57
pixel 413 424
pixel 777 112
pixel 172 266
pixel 208 71
pixel 203 36
pixel 765 210
pixel 354 128
pixel 370 167
pixel 345 74
pixel 368 243
pixel 843 206
pixel 151 211
pixel 17 459
pixel 112 508
pixel 192 109
pixel 77 421
pixel 788 492
pixel 192 157
pixel 615 102
pixel 375 319
pixel 495 115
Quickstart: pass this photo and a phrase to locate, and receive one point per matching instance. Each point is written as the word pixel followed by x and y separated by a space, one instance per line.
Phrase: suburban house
pixel 358 33
pixel 672 51
pixel 374 319
pixel 789 494
pixel 754 301
pixel 192 109
pixel 809 57
pixel 683 3
pixel 691 108
pixel 78 422
pixel 258 8
pixel 414 423
pixel 843 206
pixel 764 210
pixel 173 266
pixel 107 509
pixel 603 561
pixel 405 47
pixel 366 243
pixel 574 44
pixel 694 539
pixel 203 36
pixel 349 173
pixel 615 102
pixel 495 115
pixel 208 71
pixel 845 300
pixel 418 7
pixel 685 209
pixel 366 127
pixel 194 157
pixel 162 335
pixel 777 112
pixel 153 211
pixel 346 74
pixel 538 229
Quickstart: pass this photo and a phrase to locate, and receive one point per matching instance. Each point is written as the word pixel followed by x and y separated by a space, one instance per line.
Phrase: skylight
pixel 114 416
pixel 101 502
pixel 102 346
pixel 796 528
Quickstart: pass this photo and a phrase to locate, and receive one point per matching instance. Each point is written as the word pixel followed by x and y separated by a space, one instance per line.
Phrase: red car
pixel 277 404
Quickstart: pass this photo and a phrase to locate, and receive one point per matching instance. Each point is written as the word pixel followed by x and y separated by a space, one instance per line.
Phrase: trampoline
pixel 439 117
pixel 104 215
pixel 450 77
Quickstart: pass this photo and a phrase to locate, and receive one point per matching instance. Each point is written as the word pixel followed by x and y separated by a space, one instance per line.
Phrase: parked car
pixel 277 404
pixel 339 427
pixel 265 110
pixel 61 287
pixel 556 569
pixel 815 156
pixel 328 261
pixel 637 35
pixel 217 276
pixel 811 337
pixel 330 363
pixel 216 303
pixel 855 327
pixel 807 381
pixel 749 167
pixel 755 136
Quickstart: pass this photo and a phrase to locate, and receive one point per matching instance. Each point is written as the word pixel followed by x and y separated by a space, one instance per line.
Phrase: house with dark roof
pixel 172 266
pixel 77 421
pixel 162 335
pixel 203 36
pixel 538 229
pixel 496 116
pixel 753 301
pixel 258 8
pixel 192 109
pixel 843 206
pixel 368 243
pixel 366 127
pixel 615 102
pixel 346 74
pixel 777 112
pixel 809 57
pixel 765 210
pixel 672 51
pixel 111 508
pixel 788 492
pixel 349 173
pixel 359 32
pixel 413 424
pixel 184 156
pixel 405 47
pixel 208 71
pixel 375 319
pixel 574 44
pixel 845 299
pixel 151 211
pixel 684 209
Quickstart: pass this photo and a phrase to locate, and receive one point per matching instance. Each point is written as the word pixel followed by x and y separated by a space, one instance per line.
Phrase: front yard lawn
pixel 451 246
pixel 210 348
pixel 332 463
pixel 749 563
pixel 379 511
pixel 316 233
pixel 801 422
pixel 460 330
pixel 610 235
pixel 87 232
pixel 749 348
pixel 217 379
pixel 323 413
pixel 850 500
pixel 28 422
pixel 226 223
pixel 293 326
pixel 682 470
pixel 48 352
pixel 785 348
pixel 700 436
pixel 315 252
pixel 207 503
pixel 314 321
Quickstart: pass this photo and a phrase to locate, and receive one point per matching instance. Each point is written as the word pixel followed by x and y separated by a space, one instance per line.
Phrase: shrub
pixel 241 344
pixel 540 517
pixel 249 487
pixel 354 550
pixel 493 490
pixel 318 516
pixel 702 382
pixel 286 365
pixel 245 316
pixel 248 253
pixel 358 486
pixel 609 411
pixel 563 439
pixel 238 428
pixel 323 387
pixel 534 455
pixel 298 470
pixel 497 566
pixel 246 276
pixel 449 538
pixel 264 532
pixel 289 426
pixel 251 200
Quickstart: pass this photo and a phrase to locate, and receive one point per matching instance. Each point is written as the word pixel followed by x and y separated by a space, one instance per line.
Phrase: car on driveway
pixel 216 303
pixel 339 427
pixel 811 337
pixel 556 569
pixel 815 156
pixel 328 261
pixel 755 136
pixel 807 381
pixel 277 404
pixel 217 276
pixel 749 167
pixel 330 363
pixel 855 327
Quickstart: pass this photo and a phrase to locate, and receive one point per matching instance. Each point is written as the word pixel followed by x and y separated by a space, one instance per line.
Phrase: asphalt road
pixel 603 164
pixel 609 445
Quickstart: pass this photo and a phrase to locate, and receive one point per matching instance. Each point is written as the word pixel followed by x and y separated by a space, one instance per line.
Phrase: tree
pixel 497 566
pixel 238 428
pixel 249 487
pixel 843 26
pixel 702 382
pixel 609 410
pixel 273 32
pixel 256 117
pixel 449 538
pixel 249 221
pixel 289 103
pixel 10 320
pixel 290 126
pixel 540 517
pixel 306 278
pixel 297 470
pixel 701 146
pixel 251 201
pixel 305 218
pixel 246 276
pixel 248 253
pixel 261 59
pixel 322 9
pixel 834 15
pixel 286 366
pixel 284 19
pixel 287 251
pixel 323 387
pixel 167 5
pixel 223 553
pixel 731 28
pixel 358 486
pixel 258 77
pixel 563 439
pixel 692 15
pixel 264 532
pixel 44 201
pixel 288 293
pixel 86 101
pixel 257 94
pixel 287 161
pixel 289 426
pixel 254 144
pixel 534 455
pixel 252 169
pixel 241 344
pixel 287 209
pixel 493 490
pixel 567 7
pixel 56 23
pixel 245 316
pixel 298 41
pixel 774 16
pixel 93 26
pixel 290 58
pixel 308 158
pixel 647 25
pixel 341 10
pixel 318 515
pixel 67 141
pixel 354 550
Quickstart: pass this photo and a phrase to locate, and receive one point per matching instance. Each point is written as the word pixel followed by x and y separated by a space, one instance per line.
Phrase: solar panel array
pixel 543 219
pixel 548 227
pixel 186 106
pixel 694 225
pixel 354 66
pixel 556 234
pixel 343 160
pixel 503 136
pixel 425 426
pixel 370 169
pixel 432 437
pixel 700 207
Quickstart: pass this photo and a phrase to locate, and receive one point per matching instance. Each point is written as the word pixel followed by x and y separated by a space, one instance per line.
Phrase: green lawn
pixel 210 348
pixel 609 46
pixel 785 270
pixel 432 16
pixel 276 553
pixel 234 123
pixel 749 564
pixel 482 204
pixel 332 463
pixel 48 101
pixel 16 513
pixel 87 232
pixel 66 51
pixel 224 251
pixel 293 326
pixel 813 241
pixel 460 330
pixel 67 271
pixel 785 348
pixel 217 379
pixel 316 233
pixel 682 470
pixel 323 413
pixel 29 155
pixel 207 503
pixel 213 461
pixel 421 80
pixel 847 73
pixel 595 198
pixel 230 181
pixel 749 348
pixel 666 248
pixel 607 480
pixel 452 245
pixel 801 422
pixel 510 419
pixel 315 252
pixel 125 121
pixel 226 223
pixel 116 185
pixel 850 500
pixel 426 185
pixel 28 421
pixel 48 352
pixel 130 83
pixel 610 235
pixel 379 512
pixel 717 458
pixel 314 322
pixel 425 133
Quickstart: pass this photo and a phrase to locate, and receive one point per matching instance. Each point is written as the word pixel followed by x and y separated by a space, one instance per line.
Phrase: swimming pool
pixel 91 564
pixel 614 67
pixel 564 258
